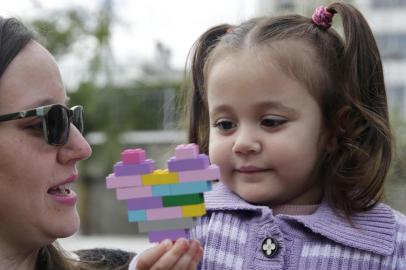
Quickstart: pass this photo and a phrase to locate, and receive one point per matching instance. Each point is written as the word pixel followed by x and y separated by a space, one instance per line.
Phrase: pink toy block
pixel 187 151
pixel 164 213
pixel 113 181
pixel 121 169
pixel 158 236
pixel 211 173
pixel 199 163
pixel 133 192
pixel 133 156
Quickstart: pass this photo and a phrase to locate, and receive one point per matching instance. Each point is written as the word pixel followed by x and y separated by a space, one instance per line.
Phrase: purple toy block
pixel 164 213
pixel 133 193
pixel 158 236
pixel 133 156
pixel 121 169
pixel 199 163
pixel 145 203
pixel 123 181
pixel 211 173
pixel 187 151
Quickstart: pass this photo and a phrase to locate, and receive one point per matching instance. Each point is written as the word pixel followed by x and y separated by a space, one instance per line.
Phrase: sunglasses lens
pixel 57 122
pixel 77 118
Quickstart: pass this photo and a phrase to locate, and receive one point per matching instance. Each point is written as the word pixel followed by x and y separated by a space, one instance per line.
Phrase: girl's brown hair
pixel 344 74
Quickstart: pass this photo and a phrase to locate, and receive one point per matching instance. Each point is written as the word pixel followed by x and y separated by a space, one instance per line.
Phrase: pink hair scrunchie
pixel 323 17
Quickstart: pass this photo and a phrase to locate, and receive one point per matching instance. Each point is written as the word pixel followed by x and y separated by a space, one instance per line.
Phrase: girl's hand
pixel 181 255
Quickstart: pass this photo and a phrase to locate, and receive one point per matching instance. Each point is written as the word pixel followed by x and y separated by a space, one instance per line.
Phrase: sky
pixel 140 24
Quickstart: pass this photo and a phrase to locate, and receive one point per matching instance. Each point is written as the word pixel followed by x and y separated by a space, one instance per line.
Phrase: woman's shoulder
pixel 103 258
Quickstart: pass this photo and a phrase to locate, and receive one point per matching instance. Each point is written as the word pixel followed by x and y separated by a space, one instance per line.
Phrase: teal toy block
pixel 190 187
pixel 161 190
pixel 137 215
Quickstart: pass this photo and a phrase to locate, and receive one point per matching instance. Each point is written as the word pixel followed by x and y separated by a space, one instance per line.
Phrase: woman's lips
pixel 62 192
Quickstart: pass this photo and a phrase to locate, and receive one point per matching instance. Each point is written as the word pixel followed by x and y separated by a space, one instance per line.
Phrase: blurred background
pixel 124 61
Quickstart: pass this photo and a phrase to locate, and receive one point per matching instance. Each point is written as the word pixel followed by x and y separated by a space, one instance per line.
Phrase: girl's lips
pixel 251 169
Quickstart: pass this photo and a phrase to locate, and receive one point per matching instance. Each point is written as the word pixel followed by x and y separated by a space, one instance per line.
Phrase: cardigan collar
pixel 373 230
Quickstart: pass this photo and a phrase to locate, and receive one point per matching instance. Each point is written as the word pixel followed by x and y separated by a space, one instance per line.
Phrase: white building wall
pixel 387 19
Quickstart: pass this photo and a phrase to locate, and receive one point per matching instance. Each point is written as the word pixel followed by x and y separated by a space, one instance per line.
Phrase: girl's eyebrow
pixel 263 105
pixel 278 106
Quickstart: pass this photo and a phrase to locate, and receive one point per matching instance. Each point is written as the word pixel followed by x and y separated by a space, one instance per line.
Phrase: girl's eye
pixel 274 121
pixel 225 125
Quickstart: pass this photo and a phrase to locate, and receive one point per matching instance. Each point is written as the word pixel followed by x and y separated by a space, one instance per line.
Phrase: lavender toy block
pixel 211 173
pixel 164 213
pixel 199 163
pixel 145 203
pixel 133 192
pixel 163 202
pixel 169 234
pixel 133 156
pixel 187 151
pixel 123 181
pixel 121 169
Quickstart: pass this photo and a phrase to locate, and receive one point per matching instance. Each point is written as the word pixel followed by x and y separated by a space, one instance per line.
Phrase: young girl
pixel 297 119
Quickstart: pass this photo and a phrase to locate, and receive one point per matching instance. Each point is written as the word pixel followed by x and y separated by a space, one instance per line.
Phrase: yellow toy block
pixel 195 210
pixel 160 177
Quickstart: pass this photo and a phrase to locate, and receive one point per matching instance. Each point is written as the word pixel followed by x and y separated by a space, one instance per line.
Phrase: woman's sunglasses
pixel 56 120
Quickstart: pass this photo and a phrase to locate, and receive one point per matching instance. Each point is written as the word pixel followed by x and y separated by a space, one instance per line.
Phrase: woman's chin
pixel 69 227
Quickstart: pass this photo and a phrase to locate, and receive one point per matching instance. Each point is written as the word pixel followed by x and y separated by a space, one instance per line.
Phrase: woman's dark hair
pixel 13 37
pixel 343 74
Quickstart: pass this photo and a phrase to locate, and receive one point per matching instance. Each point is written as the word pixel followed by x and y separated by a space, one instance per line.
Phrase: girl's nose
pixel 76 148
pixel 246 142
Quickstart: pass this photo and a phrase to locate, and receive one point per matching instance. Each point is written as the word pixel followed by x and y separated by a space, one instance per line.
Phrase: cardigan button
pixel 269 247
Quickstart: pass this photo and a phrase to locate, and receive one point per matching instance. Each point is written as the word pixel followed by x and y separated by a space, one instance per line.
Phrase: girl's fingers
pixel 169 259
pixel 196 259
pixel 185 260
pixel 150 256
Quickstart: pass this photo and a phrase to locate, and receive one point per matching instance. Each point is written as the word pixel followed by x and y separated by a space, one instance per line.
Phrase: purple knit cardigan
pixel 233 233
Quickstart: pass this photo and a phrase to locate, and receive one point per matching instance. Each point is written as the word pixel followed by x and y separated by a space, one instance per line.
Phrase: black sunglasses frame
pixel 74 116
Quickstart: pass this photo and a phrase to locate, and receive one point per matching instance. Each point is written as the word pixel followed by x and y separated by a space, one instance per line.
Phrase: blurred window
pixel 396 97
pixel 285 5
pixel 388 3
pixel 392 46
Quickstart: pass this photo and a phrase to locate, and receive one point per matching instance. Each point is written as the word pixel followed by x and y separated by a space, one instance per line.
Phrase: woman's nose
pixel 76 148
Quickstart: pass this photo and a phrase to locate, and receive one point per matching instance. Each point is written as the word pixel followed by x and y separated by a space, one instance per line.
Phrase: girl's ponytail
pixel 367 139
pixel 196 99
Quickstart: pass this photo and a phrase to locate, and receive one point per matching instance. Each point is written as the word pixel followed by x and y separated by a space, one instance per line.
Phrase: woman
pixel 40 145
